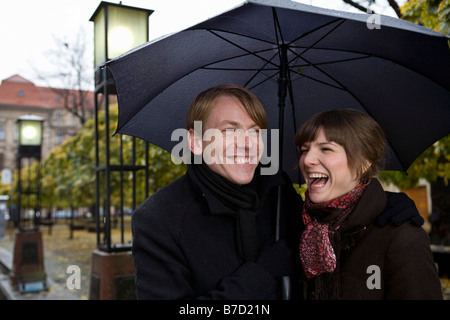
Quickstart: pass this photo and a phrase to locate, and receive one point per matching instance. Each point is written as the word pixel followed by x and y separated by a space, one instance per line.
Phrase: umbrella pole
pixel 282 90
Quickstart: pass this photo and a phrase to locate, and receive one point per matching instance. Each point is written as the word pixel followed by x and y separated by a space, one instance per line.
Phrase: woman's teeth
pixel 318 180
pixel 318 176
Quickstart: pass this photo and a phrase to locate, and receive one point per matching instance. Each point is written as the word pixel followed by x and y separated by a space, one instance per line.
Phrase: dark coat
pixel 398 256
pixel 184 243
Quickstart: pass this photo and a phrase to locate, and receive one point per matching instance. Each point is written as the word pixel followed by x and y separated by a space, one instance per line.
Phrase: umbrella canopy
pixel 305 58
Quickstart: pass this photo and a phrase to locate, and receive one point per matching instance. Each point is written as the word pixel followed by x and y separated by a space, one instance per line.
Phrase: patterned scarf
pixel 321 221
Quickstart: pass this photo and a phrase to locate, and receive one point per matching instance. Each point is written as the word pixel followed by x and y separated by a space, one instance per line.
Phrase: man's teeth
pixel 241 160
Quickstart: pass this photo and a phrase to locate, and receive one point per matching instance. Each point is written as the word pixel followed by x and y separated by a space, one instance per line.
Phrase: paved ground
pixel 60 252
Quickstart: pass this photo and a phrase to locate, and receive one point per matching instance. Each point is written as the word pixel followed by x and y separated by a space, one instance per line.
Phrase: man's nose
pixel 246 140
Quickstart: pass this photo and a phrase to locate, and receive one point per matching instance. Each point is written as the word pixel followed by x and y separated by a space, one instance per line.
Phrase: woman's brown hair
pixel 360 135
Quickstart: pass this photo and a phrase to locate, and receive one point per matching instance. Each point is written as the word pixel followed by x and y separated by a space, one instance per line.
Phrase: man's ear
pixel 195 142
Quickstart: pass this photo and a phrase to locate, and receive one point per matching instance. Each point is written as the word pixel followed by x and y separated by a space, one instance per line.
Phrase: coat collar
pixel 264 184
pixel 369 207
pixel 372 203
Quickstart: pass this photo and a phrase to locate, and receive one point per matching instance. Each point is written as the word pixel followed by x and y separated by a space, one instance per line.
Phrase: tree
pixel 433 14
pixel 68 173
pixel 71 75
pixel 432 165
pixel 365 5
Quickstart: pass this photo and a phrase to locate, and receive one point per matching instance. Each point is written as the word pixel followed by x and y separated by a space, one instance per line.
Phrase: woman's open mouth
pixel 317 180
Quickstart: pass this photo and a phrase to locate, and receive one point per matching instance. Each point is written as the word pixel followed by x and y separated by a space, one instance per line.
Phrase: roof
pixel 17 90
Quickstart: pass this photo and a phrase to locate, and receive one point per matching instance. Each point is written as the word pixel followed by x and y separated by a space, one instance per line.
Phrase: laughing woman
pixel 343 252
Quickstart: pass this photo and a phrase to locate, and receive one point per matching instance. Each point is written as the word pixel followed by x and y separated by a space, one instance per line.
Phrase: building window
pixel 58 117
pixel 20 93
pixel 2 132
pixel 59 137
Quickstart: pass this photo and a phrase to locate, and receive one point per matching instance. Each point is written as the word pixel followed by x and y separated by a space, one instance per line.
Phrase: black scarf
pixel 242 201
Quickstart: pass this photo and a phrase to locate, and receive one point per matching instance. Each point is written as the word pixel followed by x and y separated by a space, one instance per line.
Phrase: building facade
pixel 19 97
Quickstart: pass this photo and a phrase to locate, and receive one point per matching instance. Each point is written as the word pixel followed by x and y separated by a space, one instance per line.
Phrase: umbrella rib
pixel 323 82
pixel 242 48
pixel 236 69
pixel 207 67
pixel 276 24
pixel 278 34
pixel 261 82
pixel 255 74
pixel 329 62
pixel 321 38
pixel 342 87
pixel 309 64
pixel 250 53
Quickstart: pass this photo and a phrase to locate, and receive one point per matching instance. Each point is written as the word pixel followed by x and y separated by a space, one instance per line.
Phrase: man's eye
pixel 253 130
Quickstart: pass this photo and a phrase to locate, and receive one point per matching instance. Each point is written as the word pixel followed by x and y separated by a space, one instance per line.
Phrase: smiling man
pixel 230 145
pixel 210 234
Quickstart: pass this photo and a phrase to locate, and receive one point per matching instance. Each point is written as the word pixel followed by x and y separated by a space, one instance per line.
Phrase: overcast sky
pixel 28 27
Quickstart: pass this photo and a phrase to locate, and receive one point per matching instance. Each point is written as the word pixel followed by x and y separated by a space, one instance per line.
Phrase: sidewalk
pixel 60 252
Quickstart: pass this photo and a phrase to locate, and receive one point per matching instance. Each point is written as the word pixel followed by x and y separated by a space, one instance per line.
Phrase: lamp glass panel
pixel 30 133
pixel 127 29
pixel 99 38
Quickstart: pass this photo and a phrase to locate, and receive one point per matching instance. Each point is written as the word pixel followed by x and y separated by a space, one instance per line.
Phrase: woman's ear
pixel 366 166
pixel 364 170
pixel 195 142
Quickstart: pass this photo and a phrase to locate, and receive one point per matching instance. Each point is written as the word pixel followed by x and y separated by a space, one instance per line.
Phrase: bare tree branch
pixel 356 5
pixel 392 3
pixel 396 8
pixel 72 72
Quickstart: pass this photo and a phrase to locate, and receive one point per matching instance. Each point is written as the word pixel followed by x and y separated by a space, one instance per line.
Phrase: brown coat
pixel 391 262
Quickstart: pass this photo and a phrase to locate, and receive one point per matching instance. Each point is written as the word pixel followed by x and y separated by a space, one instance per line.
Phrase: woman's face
pixel 325 168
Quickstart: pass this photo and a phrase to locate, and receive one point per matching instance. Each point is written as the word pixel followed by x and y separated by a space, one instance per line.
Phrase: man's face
pixel 232 145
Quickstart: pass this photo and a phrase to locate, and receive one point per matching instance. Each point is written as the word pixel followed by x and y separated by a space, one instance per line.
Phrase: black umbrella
pixel 396 71
pixel 299 60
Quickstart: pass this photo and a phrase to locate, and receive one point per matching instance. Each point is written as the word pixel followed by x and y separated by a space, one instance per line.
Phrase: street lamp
pixel 28 264
pixel 117 29
pixel 29 129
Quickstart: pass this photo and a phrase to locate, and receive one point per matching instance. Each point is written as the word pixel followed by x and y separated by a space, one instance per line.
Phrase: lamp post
pixel 28 265
pixel 117 29
pixel 29 128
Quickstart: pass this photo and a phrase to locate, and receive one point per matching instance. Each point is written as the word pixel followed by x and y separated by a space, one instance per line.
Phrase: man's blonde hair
pixel 203 103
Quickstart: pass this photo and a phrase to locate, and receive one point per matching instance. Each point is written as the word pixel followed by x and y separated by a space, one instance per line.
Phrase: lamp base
pixel 112 276
pixel 28 263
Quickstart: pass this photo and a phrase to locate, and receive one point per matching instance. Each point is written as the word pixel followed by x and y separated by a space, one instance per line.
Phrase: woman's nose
pixel 310 158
